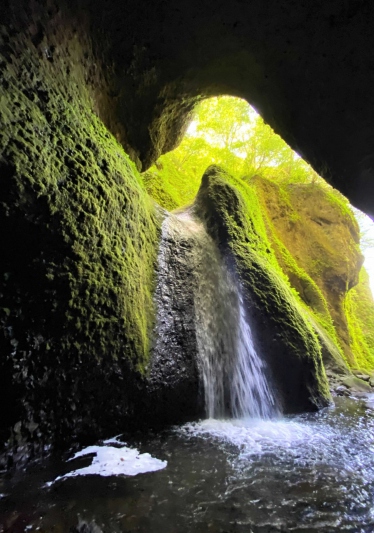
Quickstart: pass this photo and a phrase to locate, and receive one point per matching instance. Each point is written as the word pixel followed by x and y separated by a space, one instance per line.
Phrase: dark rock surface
pixel 174 385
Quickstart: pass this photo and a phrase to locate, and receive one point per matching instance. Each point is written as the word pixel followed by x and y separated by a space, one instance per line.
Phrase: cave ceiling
pixel 307 67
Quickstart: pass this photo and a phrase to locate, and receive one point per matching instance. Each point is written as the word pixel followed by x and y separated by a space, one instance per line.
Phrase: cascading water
pixel 235 377
pixel 235 380
pixel 251 394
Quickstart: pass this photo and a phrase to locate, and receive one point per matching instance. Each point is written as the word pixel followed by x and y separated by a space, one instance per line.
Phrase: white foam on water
pixel 114 440
pixel 114 461
pixel 255 436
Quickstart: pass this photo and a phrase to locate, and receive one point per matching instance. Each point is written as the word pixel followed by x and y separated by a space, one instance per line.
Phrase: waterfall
pixel 251 395
pixel 235 378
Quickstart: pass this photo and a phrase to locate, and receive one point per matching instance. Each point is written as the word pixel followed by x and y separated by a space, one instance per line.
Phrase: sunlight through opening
pixel 228 132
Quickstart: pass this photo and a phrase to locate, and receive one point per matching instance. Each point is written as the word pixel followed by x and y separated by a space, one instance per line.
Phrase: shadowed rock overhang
pixel 307 67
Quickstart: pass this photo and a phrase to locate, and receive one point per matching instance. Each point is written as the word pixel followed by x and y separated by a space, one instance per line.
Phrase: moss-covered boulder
pixel 282 334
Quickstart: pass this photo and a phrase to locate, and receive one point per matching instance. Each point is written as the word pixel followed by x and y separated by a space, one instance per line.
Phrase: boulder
pixel 356 384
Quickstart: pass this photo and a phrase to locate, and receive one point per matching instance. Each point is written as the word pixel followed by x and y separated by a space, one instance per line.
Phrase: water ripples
pixel 305 473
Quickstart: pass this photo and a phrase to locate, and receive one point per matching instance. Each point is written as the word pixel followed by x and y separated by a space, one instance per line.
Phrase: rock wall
pixel 174 383
pixel 78 262
pixel 309 234
pixel 316 240
pixel 78 248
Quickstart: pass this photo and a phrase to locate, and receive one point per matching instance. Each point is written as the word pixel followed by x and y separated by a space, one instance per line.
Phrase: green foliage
pixel 359 307
pixel 225 131
pixel 164 194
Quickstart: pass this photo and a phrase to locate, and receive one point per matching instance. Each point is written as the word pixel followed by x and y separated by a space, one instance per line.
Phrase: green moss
pixel 264 239
pixel 81 237
pixel 311 297
pixel 312 293
pixel 274 200
pixel 66 164
pixel 169 183
pixel 161 191
pixel 233 217
pixel 359 308
pixel 269 202
pixel 340 202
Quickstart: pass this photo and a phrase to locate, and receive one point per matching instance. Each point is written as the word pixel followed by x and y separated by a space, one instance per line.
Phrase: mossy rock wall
pixel 308 232
pixel 282 334
pixel 359 311
pixel 79 240
pixel 316 241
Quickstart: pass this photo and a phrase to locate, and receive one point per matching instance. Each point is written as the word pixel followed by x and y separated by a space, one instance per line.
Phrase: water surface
pixel 309 473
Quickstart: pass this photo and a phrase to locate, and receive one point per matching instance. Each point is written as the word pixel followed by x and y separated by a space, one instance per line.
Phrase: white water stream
pixel 235 377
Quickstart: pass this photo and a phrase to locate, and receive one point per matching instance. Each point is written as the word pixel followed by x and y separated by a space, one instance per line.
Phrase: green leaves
pixel 228 132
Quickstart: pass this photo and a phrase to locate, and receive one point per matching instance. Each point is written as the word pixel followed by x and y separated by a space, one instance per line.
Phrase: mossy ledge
pixel 282 334
pixel 79 238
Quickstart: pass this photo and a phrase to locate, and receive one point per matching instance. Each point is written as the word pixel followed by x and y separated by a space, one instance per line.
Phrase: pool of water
pixel 308 473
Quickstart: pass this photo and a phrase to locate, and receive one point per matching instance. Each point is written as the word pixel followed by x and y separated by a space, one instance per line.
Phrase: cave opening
pixel 311 234
pixel 227 131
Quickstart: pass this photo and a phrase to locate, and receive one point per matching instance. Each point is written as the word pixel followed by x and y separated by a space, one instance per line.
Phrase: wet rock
pixel 173 386
pixel 364 377
pixel 356 384
pixel 342 391
pixel 360 394
pixel 281 333
pixel 86 527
